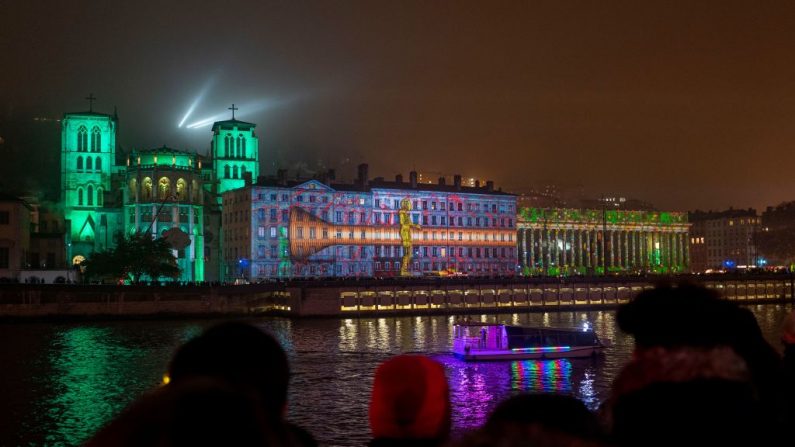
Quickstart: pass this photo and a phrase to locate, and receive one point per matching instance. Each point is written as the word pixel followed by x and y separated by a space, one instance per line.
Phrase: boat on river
pixel 492 341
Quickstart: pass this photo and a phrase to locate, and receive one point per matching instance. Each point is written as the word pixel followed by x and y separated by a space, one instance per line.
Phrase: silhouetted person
pixel 247 359
pixel 410 404
pixel 197 412
pixel 538 420
pixel 701 372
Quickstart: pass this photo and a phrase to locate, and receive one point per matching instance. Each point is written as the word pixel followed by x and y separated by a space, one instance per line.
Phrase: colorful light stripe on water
pixel 543 349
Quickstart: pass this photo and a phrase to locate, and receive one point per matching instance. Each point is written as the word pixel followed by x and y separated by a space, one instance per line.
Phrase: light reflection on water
pixel 62 382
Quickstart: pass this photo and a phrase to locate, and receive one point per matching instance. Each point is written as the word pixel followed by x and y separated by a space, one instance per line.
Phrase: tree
pixel 135 255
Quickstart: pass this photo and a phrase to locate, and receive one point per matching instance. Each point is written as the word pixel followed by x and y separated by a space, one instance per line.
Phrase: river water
pixel 61 382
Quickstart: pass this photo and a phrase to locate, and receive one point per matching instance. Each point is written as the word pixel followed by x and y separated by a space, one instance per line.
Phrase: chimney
pixel 399 178
pixel 413 179
pixel 281 176
pixel 489 186
pixel 331 175
pixel 442 181
pixel 457 182
pixel 477 183
pixel 363 174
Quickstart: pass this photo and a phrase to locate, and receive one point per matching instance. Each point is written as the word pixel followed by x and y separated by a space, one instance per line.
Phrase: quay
pixel 363 297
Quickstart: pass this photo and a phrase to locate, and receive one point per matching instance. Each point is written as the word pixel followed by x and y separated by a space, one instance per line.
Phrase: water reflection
pixel 66 381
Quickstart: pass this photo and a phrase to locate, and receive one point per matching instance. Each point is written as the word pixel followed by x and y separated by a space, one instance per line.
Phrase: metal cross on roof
pixel 233 108
pixel 90 99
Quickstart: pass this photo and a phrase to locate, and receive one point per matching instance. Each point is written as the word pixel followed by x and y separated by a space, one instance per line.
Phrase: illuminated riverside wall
pixel 573 241
pixel 281 229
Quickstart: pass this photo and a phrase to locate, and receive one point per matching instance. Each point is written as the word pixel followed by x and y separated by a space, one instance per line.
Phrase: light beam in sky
pixel 243 110
pixel 196 101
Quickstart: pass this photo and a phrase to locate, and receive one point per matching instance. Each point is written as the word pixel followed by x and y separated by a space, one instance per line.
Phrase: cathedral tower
pixel 235 153
pixel 88 152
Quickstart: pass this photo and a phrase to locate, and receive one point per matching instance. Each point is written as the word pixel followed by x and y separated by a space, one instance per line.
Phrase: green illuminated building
pixel 153 190
pixel 559 241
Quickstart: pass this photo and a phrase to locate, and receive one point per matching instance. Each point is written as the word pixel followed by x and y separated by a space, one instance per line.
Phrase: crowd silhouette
pixel 701 374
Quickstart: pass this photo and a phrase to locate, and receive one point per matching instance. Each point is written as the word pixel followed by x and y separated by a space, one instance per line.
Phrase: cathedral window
pixel 99 197
pixel 90 195
pixel 243 148
pixel 98 164
pixel 82 139
pixel 80 196
pixel 147 188
pixel 182 189
pixel 242 172
pixel 226 171
pixel 88 163
pixel 164 188
pixel 238 151
pixel 95 139
pixel 227 143
pixel 79 163
pixel 234 171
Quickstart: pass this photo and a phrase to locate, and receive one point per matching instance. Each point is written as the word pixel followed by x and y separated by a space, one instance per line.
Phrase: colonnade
pixel 589 248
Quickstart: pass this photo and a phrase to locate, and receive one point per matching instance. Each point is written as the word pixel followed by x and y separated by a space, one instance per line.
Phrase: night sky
pixel 684 104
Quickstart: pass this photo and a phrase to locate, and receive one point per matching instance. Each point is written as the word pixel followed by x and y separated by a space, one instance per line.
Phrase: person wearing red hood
pixel 410 404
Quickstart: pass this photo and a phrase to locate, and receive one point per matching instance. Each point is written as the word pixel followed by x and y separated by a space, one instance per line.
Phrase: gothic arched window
pixel 96 139
pixel 243 148
pixel 239 151
pixel 242 172
pixel 146 189
pixel 98 164
pixel 79 163
pixel 163 188
pixel 234 171
pixel 182 189
pixel 226 171
pixel 80 196
pixel 227 143
pixel 88 164
pixel 90 195
pixel 82 139
pixel 99 197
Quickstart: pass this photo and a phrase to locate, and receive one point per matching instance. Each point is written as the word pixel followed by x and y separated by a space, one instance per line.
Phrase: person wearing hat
pixel 410 404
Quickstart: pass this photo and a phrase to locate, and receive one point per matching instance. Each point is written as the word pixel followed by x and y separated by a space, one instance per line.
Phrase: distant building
pixel 14 236
pixel 776 236
pixel 310 228
pixel 566 241
pixel 723 239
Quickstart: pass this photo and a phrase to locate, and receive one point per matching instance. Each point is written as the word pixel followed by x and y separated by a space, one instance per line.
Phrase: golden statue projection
pixel 405 235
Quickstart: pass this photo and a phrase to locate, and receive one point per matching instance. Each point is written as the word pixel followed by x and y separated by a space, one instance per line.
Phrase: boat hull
pixel 504 354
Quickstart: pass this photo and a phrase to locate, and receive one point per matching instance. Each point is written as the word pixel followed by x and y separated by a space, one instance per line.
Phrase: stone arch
pixel 163 188
pixel 146 188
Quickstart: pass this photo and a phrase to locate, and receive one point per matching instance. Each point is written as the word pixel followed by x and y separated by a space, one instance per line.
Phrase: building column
pixel 588 254
pixel 625 247
pixel 531 256
pixel 547 250
pixel 563 242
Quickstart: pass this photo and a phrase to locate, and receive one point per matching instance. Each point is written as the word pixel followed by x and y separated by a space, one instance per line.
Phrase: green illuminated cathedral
pixel 104 192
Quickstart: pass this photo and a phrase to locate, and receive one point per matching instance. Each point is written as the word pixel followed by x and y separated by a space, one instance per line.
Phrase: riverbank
pixel 353 299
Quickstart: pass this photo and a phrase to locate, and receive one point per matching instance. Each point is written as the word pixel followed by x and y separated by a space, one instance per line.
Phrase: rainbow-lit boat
pixel 491 341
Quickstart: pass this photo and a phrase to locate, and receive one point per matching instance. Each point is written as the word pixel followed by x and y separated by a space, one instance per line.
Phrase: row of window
pixel 417 205
pixel 89 196
pixel 431 205
pixel 89 166
pixel 378 218
pixel 234 171
pixel 82 139
pixel 234 147
pixel 164 189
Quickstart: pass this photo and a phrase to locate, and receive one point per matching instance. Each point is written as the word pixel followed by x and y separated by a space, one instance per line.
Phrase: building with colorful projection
pixel 168 192
pixel 279 228
pixel 561 241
